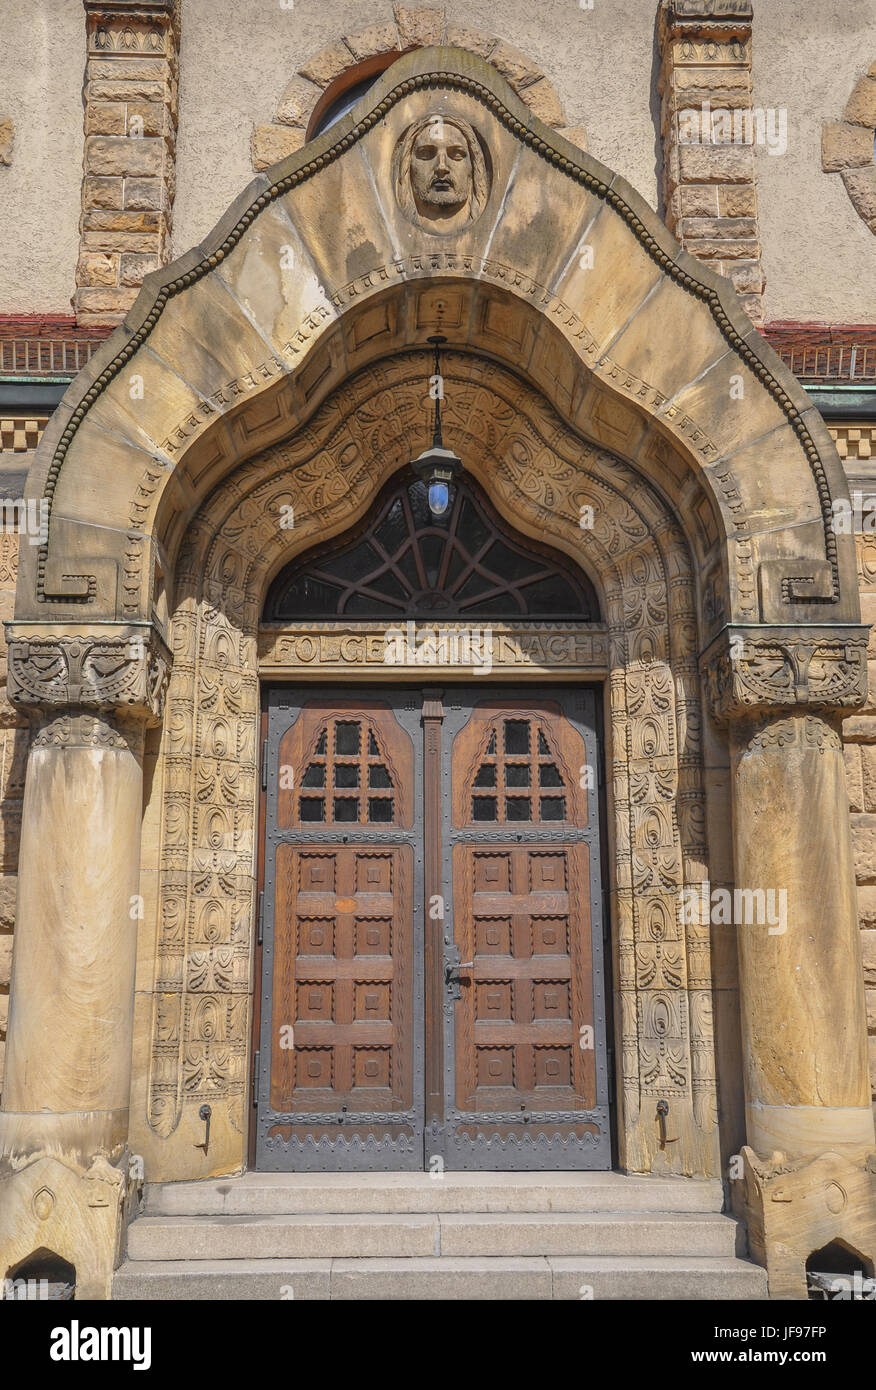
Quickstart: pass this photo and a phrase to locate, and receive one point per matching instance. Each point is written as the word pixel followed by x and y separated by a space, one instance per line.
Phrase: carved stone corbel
pixel 755 671
pixel 121 671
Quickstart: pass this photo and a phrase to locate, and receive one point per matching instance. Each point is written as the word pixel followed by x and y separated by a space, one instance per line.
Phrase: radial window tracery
pixel 406 562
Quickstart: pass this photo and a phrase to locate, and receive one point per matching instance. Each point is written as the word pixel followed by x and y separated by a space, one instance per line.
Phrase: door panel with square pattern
pixel 526 1076
pixel 432 953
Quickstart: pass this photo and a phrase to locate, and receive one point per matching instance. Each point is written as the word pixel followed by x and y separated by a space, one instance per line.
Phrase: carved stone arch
pixel 327 75
pixel 639 558
pixel 224 397
pixel 242 339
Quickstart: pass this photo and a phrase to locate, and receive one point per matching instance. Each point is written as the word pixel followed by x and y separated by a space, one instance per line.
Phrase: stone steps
pixel 605 1277
pixel 397 1235
pixel 267 1194
pixel 409 1236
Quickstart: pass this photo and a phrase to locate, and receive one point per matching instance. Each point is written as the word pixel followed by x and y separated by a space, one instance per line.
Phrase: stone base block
pixel 55 1208
pixel 795 1208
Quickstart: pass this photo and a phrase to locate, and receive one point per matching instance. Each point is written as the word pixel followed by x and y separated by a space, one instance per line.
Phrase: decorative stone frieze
pixel 749 671
pixel 124 670
pixel 709 183
pixel 847 147
pixel 854 441
pixel 130 140
pixel 21 433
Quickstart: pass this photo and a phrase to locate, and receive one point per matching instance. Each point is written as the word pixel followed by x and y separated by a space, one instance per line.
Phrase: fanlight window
pixel 518 778
pixel 405 562
pixel 346 778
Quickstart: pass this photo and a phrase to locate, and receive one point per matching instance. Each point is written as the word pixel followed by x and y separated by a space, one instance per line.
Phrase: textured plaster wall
pixel 818 256
pixel 42 62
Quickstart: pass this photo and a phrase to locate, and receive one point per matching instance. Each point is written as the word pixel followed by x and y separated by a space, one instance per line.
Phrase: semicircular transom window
pixel 405 562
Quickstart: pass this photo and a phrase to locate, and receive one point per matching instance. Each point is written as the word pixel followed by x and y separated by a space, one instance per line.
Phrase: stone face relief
pixel 441 173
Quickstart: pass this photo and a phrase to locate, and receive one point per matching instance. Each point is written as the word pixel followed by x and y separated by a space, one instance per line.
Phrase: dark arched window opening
pixel 838 1271
pixel 42 1276
pixel 403 562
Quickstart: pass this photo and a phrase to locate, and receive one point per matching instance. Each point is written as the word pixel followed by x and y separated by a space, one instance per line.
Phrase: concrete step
pixel 400 1235
pixel 448 1277
pixel 279 1194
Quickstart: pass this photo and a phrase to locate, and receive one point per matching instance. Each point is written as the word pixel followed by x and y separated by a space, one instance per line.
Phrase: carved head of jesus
pixel 442 176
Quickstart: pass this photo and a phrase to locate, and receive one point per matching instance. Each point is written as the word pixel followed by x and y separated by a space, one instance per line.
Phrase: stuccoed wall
pixel 236 61
pixel 818 255
pixel 42 62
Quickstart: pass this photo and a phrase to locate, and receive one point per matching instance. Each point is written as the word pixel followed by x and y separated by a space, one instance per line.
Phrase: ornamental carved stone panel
pixel 748 672
pixel 125 673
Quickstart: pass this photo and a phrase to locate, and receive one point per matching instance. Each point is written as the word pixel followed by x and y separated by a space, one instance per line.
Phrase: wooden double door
pixel 431 938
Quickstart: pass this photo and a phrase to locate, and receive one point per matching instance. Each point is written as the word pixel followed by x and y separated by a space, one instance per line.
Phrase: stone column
pixel 64 1118
pixel 809 1120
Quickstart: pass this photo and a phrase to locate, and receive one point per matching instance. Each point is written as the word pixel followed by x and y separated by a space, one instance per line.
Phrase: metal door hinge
pixel 265 766
pixel 261 919
pixel 256 1076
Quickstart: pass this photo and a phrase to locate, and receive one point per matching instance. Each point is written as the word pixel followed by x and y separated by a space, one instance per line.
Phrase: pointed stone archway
pixel 716 546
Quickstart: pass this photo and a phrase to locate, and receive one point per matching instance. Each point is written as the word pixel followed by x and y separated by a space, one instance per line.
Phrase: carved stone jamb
pixel 781 693
pixel 709 179
pixel 205 852
pixel 64 1116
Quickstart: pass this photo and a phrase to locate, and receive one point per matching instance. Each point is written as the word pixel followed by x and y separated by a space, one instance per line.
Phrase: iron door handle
pixel 453 980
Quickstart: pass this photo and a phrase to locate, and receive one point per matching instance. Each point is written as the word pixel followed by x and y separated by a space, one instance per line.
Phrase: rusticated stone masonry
pixel 709 179
pixel 847 147
pixel 130 136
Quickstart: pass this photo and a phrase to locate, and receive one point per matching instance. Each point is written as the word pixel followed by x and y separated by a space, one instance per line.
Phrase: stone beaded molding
pixel 326 73
pixel 847 147
pixel 750 672
pixel 568 164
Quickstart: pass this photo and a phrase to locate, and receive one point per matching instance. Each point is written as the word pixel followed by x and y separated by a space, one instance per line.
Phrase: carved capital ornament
pixel 118 670
pixel 753 671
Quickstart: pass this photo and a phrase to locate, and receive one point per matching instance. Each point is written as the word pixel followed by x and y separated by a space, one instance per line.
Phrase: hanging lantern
pixel 436 465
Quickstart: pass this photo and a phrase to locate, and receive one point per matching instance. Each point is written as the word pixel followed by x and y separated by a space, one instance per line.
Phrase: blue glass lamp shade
pixel 437 467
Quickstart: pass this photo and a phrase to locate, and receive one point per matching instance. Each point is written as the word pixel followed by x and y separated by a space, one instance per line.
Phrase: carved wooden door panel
pixel 525 1066
pixel 339 1080
pixel 431 933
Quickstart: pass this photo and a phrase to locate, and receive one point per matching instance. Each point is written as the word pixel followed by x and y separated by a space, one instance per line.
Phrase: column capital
pixel 760 670
pixel 117 668
pixel 139 9
pixel 682 18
